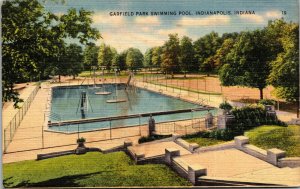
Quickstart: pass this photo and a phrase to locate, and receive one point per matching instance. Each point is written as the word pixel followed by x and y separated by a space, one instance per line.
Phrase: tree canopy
pixel 205 48
pixel 187 55
pixel 134 59
pixel 25 23
pixel 284 74
pixel 170 54
pixel 248 62
pixel 90 56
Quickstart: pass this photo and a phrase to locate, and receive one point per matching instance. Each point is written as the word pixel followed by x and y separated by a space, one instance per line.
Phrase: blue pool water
pixel 66 101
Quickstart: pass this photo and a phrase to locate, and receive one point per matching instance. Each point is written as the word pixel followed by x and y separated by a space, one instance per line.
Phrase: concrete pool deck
pixel 151 150
pixel 30 137
pixel 235 166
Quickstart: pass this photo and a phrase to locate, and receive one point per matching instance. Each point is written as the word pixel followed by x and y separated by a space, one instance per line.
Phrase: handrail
pixel 18 117
pixel 129 116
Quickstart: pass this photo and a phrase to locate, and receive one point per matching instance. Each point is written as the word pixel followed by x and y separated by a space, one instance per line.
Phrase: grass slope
pixel 91 169
pixel 203 141
pixel 284 138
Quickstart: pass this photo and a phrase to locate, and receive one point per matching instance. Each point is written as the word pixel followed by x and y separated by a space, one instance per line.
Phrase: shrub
pixel 144 139
pixel 267 102
pixel 245 118
pixel 202 134
pixel 81 139
pixel 225 106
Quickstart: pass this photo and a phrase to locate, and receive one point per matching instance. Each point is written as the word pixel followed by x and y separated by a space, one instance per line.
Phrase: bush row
pixel 152 138
pixel 245 118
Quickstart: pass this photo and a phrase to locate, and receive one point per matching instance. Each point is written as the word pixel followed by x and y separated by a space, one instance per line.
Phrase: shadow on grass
pixel 65 181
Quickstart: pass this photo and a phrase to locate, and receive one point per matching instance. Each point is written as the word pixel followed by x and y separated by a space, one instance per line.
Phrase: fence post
pixel 174 127
pixel 140 125
pixel 4 136
pixel 19 117
pixel 198 87
pixel 77 131
pixel 166 81
pixel 15 122
pixel 10 134
pixel 43 133
pixel 110 134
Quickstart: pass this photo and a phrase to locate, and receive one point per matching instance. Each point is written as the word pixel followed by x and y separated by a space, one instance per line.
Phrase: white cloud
pixel 101 18
pixel 261 18
pixel 145 29
pixel 273 14
pixel 124 39
pixel 147 20
pixel 252 18
pixel 166 32
pixel 207 21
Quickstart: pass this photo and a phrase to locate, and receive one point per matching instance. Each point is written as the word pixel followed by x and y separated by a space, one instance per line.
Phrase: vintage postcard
pixel 132 93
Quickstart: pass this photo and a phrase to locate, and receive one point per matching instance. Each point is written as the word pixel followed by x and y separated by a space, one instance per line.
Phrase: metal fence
pixel 185 127
pixel 15 122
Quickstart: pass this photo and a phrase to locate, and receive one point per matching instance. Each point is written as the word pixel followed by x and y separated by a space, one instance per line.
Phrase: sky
pixel 146 31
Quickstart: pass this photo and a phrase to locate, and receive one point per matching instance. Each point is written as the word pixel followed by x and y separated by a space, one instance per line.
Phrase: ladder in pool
pixel 55 117
pixel 130 79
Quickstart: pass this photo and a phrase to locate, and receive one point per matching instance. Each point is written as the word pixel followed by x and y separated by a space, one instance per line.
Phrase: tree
pixel 74 57
pixel 122 60
pixel 205 48
pixel 106 55
pixel 170 54
pixel 90 56
pixel 25 23
pixel 284 74
pixel 148 58
pixel 248 62
pixel 187 55
pixel 156 56
pixel 69 62
pixel 220 58
pixel 115 62
pixel 134 59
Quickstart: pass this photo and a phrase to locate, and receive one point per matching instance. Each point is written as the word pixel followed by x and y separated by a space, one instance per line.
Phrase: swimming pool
pixel 65 106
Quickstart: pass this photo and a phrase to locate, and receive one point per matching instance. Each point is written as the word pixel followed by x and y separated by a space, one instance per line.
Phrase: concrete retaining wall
pixel 274 156
pixel 289 162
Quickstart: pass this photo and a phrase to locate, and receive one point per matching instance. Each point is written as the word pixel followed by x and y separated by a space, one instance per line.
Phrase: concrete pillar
pixel 274 154
pixel 138 156
pixel 175 136
pixel 151 125
pixel 221 122
pixel 193 146
pixel 240 141
pixel 170 153
pixel 127 143
pixel 209 120
pixel 195 171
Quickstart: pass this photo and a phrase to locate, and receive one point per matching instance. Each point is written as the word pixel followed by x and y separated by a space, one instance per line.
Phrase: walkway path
pixel 31 137
pixel 8 111
pixel 211 100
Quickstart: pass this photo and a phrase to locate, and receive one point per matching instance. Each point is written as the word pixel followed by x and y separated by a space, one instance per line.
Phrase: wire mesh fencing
pixel 10 129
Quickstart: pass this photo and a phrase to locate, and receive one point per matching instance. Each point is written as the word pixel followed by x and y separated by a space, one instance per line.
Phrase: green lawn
pixel 91 169
pixel 203 141
pixel 284 138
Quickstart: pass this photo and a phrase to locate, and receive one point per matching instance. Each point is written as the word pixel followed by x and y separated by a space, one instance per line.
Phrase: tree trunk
pixel 261 93
pixel 74 76
pixel 58 78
